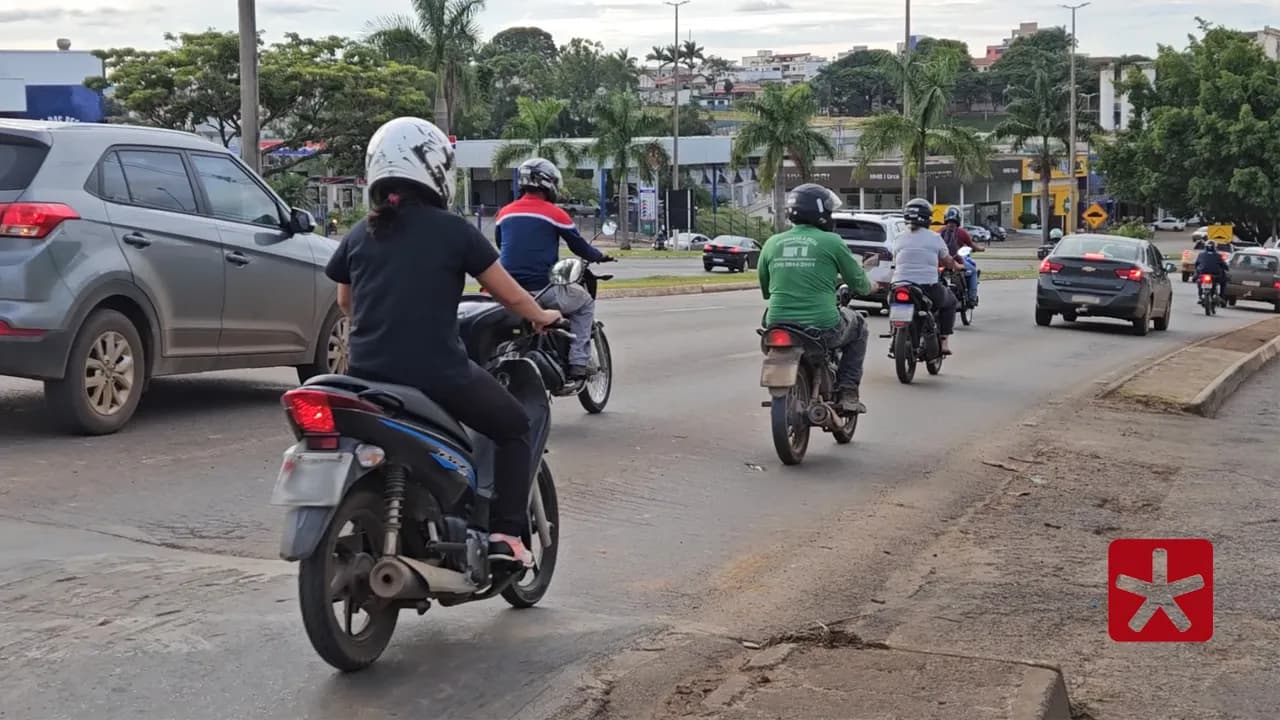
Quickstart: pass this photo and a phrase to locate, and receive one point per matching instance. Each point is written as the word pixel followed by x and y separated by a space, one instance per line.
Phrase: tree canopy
pixel 1205 136
pixel 328 90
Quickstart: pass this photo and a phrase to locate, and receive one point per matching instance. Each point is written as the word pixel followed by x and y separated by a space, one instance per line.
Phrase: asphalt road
pixel 138 578
pixel 636 267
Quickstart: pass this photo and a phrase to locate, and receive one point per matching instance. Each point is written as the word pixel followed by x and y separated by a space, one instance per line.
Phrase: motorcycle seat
pixel 416 404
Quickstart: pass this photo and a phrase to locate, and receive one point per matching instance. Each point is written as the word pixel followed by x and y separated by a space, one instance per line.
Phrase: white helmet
pixel 410 148
pixel 540 174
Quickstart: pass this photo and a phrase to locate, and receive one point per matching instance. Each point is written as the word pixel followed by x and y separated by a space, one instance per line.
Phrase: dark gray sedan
pixel 1105 276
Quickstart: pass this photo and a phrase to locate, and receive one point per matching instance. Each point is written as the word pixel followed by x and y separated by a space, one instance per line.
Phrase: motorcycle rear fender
pixel 304 526
pixel 780 368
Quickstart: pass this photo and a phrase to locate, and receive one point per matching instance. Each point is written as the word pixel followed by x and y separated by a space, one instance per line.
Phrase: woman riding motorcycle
pixel 400 275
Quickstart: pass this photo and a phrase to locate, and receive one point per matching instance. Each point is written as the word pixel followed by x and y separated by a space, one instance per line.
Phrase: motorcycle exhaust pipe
pixel 391 579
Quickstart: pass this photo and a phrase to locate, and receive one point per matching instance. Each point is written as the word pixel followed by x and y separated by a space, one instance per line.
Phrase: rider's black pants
pixel 944 303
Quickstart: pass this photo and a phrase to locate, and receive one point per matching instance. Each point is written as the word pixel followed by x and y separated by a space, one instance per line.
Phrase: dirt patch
pixel 1248 339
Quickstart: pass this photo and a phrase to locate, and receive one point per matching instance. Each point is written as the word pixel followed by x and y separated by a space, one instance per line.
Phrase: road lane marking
pixel 694 309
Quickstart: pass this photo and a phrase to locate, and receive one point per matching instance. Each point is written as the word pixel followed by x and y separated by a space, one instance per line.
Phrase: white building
pixel 1114 109
pixel 790 68
pixel 1268 39
pixel 49 84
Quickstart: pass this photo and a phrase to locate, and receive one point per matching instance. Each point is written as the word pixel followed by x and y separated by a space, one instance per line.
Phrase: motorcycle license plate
pixel 1252 283
pixel 308 479
pixel 1086 299
pixel 901 312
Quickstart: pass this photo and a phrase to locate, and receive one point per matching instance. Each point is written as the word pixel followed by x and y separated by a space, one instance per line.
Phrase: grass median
pixel 642 254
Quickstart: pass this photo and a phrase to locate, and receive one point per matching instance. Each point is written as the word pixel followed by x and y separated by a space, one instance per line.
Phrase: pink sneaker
pixel 519 553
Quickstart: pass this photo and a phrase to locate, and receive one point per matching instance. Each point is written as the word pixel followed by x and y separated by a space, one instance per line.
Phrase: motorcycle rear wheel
pixel 599 387
pixel 966 314
pixel 934 366
pixel 904 355
pixel 347 651
pixel 789 421
pixel 844 433
pixel 521 594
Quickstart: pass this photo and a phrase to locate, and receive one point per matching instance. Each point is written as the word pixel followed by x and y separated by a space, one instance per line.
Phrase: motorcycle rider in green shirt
pixel 798 276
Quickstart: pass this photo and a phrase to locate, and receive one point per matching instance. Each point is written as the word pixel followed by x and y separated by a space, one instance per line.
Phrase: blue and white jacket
pixel 528 235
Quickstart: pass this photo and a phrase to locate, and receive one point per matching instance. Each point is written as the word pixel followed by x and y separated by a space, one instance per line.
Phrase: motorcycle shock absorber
pixel 394 493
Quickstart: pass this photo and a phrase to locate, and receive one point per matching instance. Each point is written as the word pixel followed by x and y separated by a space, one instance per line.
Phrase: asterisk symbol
pixel 1159 594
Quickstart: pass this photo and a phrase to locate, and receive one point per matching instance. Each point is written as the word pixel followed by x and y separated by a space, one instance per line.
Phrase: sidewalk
pixel 1022 575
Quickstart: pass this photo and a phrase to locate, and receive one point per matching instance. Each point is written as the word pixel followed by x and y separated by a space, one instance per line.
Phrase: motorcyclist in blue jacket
pixel 1209 262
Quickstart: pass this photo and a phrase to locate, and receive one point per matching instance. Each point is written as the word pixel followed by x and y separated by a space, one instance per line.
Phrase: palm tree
pixel 691 53
pixel 529 134
pixel 621 70
pixel 779 127
pixel 925 131
pixel 624 137
pixel 1039 121
pixel 663 55
pixel 441 35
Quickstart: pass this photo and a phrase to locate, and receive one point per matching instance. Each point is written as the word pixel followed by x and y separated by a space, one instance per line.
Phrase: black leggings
pixel 944 303
pixel 483 405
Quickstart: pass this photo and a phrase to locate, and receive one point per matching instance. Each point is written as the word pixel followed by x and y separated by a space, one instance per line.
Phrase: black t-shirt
pixel 405 284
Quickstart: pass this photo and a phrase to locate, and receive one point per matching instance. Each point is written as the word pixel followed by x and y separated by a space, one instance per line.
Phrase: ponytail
pixel 398 197
pixel 384 214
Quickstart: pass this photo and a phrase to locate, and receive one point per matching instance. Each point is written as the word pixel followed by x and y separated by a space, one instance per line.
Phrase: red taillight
pixel 1050 267
pixel 1277 286
pixel 1134 274
pixel 902 295
pixel 7 330
pixel 735 250
pixel 312 410
pixel 706 248
pixel 778 338
pixel 33 220
pixel 1206 279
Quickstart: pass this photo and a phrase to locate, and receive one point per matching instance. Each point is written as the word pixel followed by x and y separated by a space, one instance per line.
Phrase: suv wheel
pixel 333 353
pixel 106 373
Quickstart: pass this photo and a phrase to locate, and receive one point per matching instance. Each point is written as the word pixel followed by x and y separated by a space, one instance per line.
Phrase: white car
pixel 690 241
pixel 871 234
pixel 1170 224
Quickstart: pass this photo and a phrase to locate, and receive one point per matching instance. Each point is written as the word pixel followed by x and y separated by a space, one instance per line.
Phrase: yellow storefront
pixel 1028 201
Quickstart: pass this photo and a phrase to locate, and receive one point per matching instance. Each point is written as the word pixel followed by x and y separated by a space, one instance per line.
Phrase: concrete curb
pixel 1151 362
pixel 1210 400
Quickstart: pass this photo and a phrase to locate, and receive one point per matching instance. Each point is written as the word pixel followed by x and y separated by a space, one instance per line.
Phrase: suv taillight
pixel 33 220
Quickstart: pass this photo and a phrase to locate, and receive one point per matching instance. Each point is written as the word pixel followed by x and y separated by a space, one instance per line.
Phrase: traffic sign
pixel 1095 216
pixel 1221 233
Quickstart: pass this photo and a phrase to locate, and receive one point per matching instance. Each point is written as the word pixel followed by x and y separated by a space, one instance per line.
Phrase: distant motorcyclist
pixel 916 256
pixel 798 270
pixel 1054 236
pixel 528 235
pixel 1209 262
pixel 957 237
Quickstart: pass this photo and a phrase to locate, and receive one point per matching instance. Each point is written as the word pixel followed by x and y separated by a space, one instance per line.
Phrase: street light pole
pixel 906 98
pixel 675 100
pixel 1071 151
pixel 249 85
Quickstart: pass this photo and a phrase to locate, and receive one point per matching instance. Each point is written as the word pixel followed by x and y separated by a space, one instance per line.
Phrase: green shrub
pixel 732 221
pixel 1029 219
pixel 1133 228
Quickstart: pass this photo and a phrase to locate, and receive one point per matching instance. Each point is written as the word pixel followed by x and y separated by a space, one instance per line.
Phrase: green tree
pixel 624 138
pixel 329 90
pixel 516 62
pixel 529 135
pixel 857 84
pixel 1205 137
pixel 1049 49
pixel 440 35
pixel 620 70
pixel 663 55
pixel 925 131
pixel 580 78
pixel 691 54
pixel 779 128
pixel 1038 122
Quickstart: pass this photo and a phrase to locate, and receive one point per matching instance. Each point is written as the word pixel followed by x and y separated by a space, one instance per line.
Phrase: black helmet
pixel 918 212
pixel 953 216
pixel 540 174
pixel 812 204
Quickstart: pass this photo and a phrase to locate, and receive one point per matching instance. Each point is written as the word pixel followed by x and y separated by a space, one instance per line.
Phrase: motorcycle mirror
pixel 844 295
pixel 609 228
pixel 965 252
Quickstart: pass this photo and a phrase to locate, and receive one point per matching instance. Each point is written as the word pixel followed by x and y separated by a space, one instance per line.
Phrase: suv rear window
pixel 19 164
pixel 860 230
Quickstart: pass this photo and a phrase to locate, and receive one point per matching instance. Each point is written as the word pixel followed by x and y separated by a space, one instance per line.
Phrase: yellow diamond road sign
pixel 1221 233
pixel 1095 215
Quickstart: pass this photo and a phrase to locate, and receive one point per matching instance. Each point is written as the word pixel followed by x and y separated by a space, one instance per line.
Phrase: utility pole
pixel 1071 151
pixel 675 100
pixel 249 85
pixel 906 99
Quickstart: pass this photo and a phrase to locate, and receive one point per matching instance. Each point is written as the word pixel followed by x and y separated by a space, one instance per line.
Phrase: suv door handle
pixel 137 240
pixel 237 258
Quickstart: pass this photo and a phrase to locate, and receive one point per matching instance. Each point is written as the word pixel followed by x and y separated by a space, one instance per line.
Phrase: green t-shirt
pixel 798 271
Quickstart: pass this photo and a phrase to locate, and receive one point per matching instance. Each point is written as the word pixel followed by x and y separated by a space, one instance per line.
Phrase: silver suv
pixel 868 234
pixel 128 253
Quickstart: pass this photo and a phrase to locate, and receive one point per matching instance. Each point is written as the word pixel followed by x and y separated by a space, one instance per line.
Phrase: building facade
pixel 49 85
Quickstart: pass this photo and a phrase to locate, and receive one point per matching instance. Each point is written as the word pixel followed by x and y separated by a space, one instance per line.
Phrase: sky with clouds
pixel 731 28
